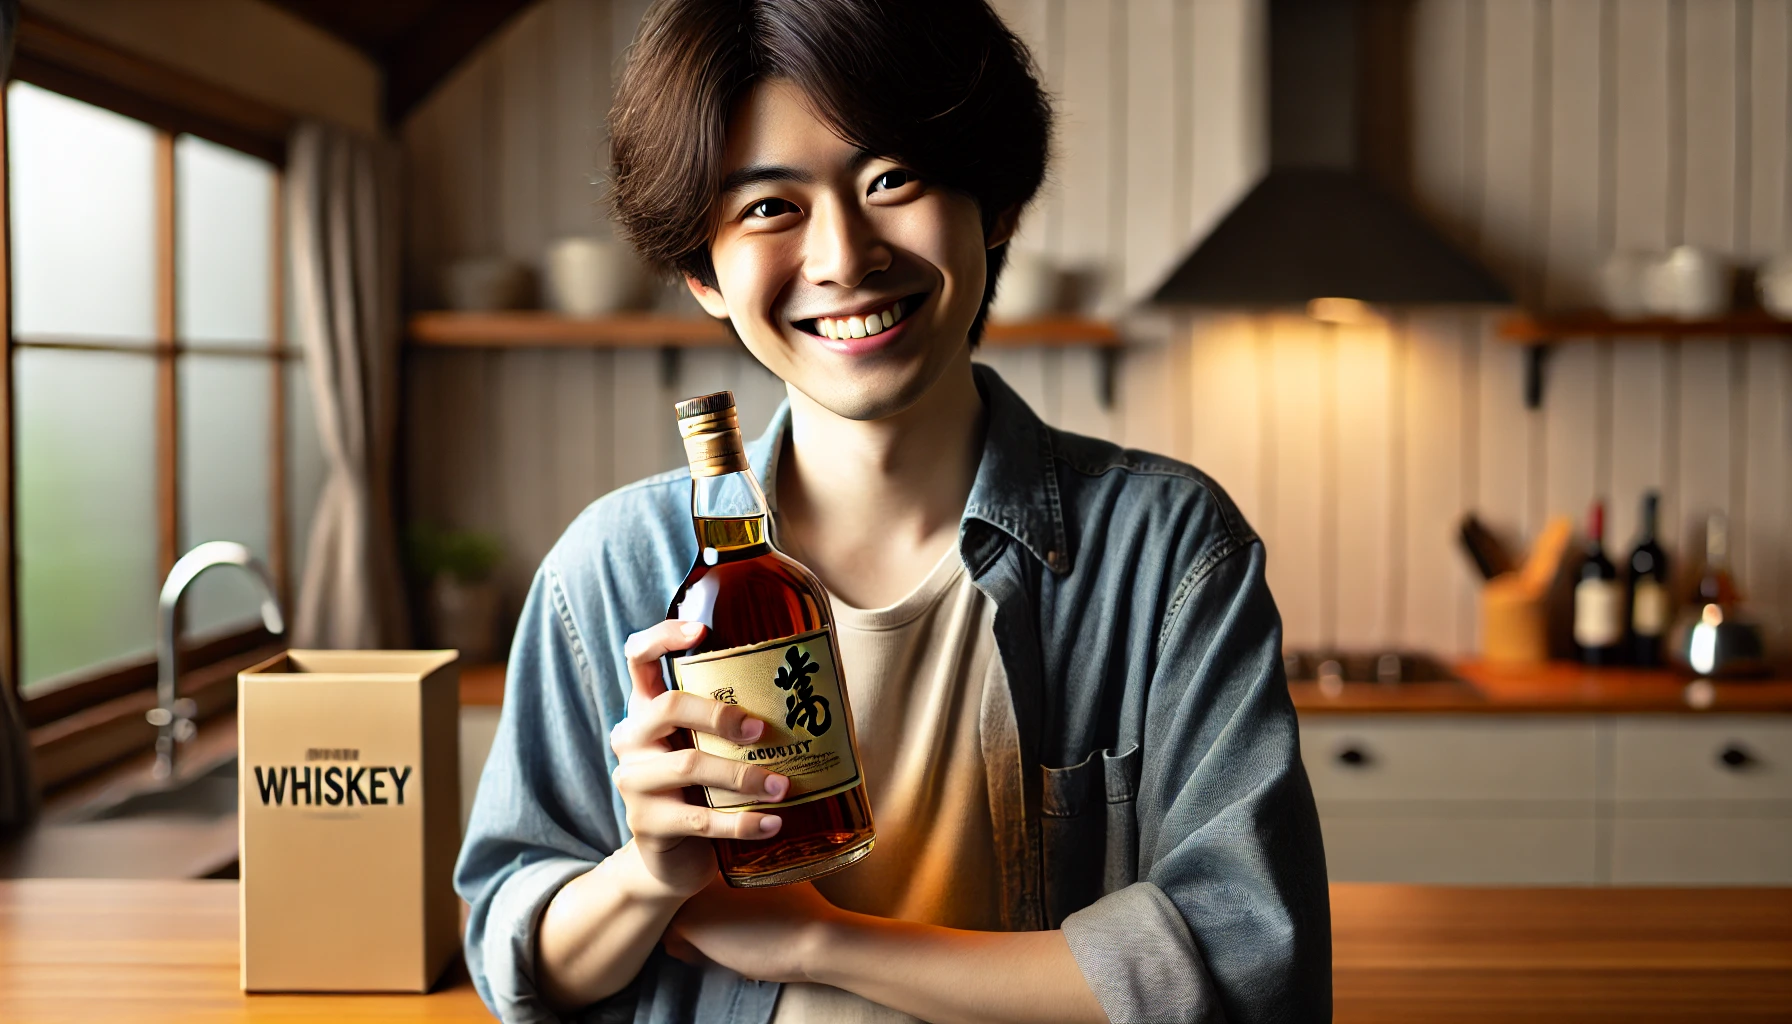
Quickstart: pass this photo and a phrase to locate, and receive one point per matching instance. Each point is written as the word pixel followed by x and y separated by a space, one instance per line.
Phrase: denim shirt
pixel 1161 816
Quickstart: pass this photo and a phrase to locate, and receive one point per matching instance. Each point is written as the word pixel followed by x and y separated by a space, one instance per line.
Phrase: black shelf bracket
pixel 1536 358
pixel 1110 374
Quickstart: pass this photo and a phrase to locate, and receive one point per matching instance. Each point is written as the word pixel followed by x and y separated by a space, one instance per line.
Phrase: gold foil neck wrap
pixel 711 431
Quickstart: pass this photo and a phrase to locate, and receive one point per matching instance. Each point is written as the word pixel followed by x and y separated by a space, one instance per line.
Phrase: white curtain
pixel 342 236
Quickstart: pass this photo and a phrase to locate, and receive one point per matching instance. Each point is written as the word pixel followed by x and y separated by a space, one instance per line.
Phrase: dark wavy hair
pixel 941 85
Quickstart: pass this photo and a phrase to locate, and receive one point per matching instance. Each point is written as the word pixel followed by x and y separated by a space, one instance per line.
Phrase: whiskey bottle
pixel 770 649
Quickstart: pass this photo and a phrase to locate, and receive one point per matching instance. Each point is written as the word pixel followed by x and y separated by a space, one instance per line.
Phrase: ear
pixel 710 299
pixel 1006 223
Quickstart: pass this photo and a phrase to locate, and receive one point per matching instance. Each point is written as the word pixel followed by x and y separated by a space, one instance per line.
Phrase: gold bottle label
pixel 793 686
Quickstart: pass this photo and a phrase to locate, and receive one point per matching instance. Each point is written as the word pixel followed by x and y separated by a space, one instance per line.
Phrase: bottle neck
pixel 1648 519
pixel 729 511
pixel 1596 525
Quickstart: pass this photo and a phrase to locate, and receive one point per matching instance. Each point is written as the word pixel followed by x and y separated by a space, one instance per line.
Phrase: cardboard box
pixel 348 820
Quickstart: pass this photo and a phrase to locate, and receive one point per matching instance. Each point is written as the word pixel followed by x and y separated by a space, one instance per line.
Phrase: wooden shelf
pixel 1538 331
pixel 540 329
pixel 1549 328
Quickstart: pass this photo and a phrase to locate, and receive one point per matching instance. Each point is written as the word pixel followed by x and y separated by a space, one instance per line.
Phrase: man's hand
pixel 671 835
pixel 762 934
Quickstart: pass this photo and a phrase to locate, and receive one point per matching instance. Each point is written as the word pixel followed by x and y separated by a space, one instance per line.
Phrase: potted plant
pixel 455 568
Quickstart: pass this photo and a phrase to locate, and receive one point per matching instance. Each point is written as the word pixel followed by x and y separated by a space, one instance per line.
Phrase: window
pixel 156 401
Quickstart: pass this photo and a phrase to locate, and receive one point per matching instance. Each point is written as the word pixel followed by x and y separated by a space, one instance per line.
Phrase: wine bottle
pixel 1716 586
pixel 1646 589
pixel 1598 599
pixel 770 649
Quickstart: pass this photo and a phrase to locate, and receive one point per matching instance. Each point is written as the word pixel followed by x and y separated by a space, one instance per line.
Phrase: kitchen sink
pixel 210 794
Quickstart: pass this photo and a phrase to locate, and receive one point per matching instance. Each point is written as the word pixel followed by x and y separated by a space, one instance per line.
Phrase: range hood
pixel 1318 226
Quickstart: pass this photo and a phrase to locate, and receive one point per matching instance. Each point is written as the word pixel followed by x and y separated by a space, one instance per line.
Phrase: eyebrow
pixel 759 174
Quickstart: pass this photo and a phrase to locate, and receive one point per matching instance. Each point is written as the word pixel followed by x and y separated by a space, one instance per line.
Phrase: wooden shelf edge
pixel 541 329
pixel 1549 328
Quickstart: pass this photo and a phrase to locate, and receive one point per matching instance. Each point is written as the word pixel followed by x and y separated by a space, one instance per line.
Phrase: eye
pixel 890 180
pixel 770 208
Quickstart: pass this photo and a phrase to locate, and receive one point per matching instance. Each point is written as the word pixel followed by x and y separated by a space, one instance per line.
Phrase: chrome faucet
pixel 173 714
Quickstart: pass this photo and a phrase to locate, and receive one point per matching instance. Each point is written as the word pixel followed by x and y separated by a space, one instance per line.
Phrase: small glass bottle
pixel 770 649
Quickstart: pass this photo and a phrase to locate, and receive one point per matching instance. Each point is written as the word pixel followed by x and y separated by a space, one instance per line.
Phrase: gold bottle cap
pixel 711 431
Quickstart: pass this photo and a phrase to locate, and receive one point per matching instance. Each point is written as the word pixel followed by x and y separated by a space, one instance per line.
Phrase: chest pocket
pixel 1090 830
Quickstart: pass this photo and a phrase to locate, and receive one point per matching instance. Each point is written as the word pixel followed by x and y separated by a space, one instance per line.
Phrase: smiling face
pixel 847 274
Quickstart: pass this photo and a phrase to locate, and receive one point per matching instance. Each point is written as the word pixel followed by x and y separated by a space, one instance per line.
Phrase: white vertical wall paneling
pixel 1084 174
pixel 577 68
pixel 1362 484
pixel 1766 535
pixel 1147 81
pixel 1296 519
pixel 1228 419
pixel 642 428
pixel 1437 400
pixel 1508 212
pixel 1025 370
pixel 1639 391
pixel 1575 240
pixel 1708 117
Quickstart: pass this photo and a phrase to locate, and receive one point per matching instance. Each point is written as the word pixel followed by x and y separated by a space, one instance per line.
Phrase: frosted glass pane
pixel 224 481
pixel 86 505
pixel 83 218
pixel 224 203
pixel 304 467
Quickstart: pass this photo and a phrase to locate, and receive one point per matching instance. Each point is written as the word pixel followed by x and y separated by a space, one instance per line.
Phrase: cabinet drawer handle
pixel 1351 757
pixel 1734 757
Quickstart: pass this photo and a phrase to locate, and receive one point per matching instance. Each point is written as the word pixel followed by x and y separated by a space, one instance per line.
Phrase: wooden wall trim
pixel 77 65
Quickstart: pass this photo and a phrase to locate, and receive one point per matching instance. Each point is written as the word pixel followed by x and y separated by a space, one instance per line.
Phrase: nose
pixel 843 247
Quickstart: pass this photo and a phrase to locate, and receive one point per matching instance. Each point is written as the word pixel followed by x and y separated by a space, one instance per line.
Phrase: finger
pixel 671 818
pixel 644 650
pixel 678 709
pixel 658 773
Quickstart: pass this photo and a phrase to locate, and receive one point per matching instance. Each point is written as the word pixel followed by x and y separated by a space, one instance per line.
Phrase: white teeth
pixel 858 327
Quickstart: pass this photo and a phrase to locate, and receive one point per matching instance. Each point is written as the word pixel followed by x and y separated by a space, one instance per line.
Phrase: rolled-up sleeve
pixel 1229 918
pixel 545 811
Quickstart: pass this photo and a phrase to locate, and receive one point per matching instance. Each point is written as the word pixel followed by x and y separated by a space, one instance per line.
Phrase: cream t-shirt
pixel 917 674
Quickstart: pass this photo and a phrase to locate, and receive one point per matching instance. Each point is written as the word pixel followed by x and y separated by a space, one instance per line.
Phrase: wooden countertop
pixel 1557 687
pixel 155 951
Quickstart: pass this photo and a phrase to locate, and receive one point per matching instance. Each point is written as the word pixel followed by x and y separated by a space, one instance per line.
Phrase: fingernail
pixel 752 729
pixel 775 786
pixel 692 628
pixel 770 823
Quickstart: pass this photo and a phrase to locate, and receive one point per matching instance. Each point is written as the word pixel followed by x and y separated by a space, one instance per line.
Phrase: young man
pixel 1062 656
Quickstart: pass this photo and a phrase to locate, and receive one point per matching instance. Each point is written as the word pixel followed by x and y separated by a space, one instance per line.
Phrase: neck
pixel 871 505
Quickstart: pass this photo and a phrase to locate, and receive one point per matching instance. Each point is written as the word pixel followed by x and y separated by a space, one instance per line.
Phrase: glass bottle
pixel 770 648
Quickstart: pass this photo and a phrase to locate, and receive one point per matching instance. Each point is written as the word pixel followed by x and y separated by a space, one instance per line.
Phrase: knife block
pixel 348 801
pixel 1515 606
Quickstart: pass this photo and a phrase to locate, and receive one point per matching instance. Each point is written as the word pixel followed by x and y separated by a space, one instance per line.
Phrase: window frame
pixel 96 716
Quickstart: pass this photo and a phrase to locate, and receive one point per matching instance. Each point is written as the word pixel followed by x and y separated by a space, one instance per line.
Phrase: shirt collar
pixel 1016 489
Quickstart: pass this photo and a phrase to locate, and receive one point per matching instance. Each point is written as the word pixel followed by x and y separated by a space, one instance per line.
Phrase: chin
pixel 866 394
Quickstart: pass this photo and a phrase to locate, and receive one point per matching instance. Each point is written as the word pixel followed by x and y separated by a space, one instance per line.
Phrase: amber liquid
pixel 746 592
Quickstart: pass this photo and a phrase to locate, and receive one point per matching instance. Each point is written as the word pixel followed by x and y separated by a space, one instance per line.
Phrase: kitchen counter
pixel 153 951
pixel 1557 687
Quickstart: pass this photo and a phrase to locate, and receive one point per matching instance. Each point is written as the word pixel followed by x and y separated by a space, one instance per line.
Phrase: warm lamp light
pixel 1351 312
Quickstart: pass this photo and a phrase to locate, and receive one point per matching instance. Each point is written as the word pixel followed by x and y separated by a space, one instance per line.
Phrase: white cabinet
pixel 1702 801
pixel 1539 800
